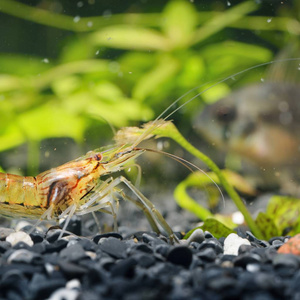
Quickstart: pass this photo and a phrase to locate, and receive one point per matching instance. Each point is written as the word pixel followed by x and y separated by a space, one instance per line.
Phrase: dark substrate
pixel 142 265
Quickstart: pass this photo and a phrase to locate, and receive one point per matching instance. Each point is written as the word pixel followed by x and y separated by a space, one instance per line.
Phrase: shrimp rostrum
pixel 77 188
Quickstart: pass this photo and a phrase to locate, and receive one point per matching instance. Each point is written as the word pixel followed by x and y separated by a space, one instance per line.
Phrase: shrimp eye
pixel 98 157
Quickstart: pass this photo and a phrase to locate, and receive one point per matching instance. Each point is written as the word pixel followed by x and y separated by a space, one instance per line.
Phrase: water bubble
pixel 107 13
pixel 45 60
pixel 237 217
pixel 269 20
pixel 160 145
pixel 76 19
pixel 114 67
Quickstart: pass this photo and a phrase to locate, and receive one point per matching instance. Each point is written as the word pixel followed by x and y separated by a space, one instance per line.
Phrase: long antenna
pixel 146 132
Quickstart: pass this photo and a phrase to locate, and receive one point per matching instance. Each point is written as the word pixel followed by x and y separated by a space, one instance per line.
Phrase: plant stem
pixel 169 130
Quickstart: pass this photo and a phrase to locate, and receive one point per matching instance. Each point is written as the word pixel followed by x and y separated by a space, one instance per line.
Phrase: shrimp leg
pixel 101 199
pixel 150 206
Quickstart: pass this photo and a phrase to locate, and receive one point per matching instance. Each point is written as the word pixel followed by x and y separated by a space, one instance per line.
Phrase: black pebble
pixel 124 268
pixel 97 237
pixel 180 255
pixel 73 253
pixel 114 247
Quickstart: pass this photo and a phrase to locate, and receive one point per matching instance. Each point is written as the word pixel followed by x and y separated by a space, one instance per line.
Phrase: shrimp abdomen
pixel 15 189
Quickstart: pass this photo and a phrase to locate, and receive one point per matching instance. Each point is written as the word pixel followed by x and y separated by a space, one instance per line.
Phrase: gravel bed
pixel 143 265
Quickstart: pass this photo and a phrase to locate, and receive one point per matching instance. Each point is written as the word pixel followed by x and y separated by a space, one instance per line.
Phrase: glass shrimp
pixel 76 188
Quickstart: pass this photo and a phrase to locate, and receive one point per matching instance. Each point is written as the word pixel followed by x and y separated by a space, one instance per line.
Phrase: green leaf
pixel 50 120
pixel 285 212
pixel 215 227
pixel 129 37
pixel 266 225
pixel 10 83
pixel 11 137
pixel 220 21
pixel 22 65
pixel 165 69
pixel 179 22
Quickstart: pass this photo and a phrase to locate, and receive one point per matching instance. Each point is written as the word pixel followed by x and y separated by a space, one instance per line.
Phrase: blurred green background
pixel 71 70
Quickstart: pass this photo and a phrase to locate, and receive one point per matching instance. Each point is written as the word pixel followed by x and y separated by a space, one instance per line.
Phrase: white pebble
pixel 73 284
pixel 19 236
pixel 232 244
pixel 64 293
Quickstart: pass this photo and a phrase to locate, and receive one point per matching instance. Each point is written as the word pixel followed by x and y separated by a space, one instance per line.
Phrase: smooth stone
pixel 64 294
pixel 162 249
pixel 212 243
pixel 87 244
pixel 232 244
pixel 4 246
pixel 71 270
pixel 74 225
pixel 143 248
pixel 244 249
pixel 196 236
pixel 54 233
pixel 180 255
pixel 5 232
pixel 19 236
pixel 114 247
pixel 208 235
pixel 139 235
pixel 41 287
pixel 73 253
pixel 124 268
pixel 153 240
pixel 145 260
pixel 286 260
pixel 39 247
pixel 36 237
pixel 25 256
pixel 98 237
pixel 56 246
pixel 245 259
pixel 255 240
pixel 207 255
pixel 21 245
pixel 222 284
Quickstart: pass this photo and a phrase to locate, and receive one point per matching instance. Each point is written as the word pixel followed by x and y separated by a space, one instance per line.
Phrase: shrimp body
pixel 57 189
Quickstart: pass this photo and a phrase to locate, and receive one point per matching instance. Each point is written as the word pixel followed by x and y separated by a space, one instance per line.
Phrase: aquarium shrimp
pixel 78 187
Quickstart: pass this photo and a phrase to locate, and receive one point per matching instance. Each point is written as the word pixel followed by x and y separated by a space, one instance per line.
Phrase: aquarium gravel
pixel 142 265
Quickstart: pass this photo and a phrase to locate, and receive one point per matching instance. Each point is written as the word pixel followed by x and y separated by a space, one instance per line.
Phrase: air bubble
pixel 76 19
